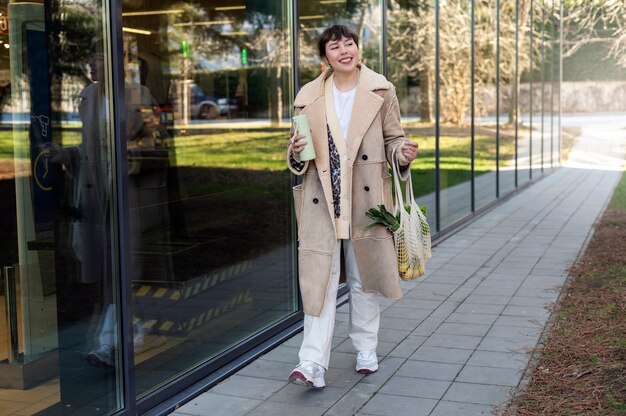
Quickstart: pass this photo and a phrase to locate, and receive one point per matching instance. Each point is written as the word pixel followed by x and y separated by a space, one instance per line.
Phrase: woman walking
pixel 354 118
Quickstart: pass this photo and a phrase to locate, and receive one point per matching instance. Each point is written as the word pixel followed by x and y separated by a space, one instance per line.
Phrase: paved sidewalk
pixel 458 342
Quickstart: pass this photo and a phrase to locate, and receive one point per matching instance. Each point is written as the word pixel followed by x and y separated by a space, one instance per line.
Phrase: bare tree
pixel 588 22
pixel 411 35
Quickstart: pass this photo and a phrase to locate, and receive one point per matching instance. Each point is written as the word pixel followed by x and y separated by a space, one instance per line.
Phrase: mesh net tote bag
pixel 412 238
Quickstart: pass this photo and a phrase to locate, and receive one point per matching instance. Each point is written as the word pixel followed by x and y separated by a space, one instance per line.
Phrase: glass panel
pixel 557 82
pixel 455 86
pixel 547 87
pixel 485 131
pixel 410 67
pixel 554 83
pixel 537 88
pixel 208 93
pixel 59 211
pixel 507 88
pixel 364 17
pixel 525 96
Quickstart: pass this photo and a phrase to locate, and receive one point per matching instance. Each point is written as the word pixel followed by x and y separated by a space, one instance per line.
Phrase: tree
pixel 411 38
pixel 588 22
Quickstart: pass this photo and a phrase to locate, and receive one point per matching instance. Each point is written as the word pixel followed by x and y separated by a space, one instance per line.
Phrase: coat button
pixel 315 200
pixel 367 188
pixel 364 157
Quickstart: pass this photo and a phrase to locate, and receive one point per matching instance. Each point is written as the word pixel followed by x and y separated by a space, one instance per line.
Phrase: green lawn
pixel 265 151
pixel 618 201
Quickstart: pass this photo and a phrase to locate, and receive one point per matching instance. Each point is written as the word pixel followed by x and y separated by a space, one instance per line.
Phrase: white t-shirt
pixel 343 101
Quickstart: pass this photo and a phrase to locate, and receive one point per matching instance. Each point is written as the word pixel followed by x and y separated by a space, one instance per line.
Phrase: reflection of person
pixel 354 118
pixel 88 169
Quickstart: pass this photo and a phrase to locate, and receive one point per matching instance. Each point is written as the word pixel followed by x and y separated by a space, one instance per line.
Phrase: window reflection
pixel 364 17
pixel 525 96
pixel 485 102
pixel 508 82
pixel 411 68
pixel 455 79
pixel 207 94
pixel 56 129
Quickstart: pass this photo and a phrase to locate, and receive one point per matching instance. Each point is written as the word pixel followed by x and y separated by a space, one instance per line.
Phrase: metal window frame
pixel 497 99
pixel 123 209
pixel 473 109
pixel 516 110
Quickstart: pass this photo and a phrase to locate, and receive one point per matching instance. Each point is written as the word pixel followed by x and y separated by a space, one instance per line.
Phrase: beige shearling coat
pixel 374 131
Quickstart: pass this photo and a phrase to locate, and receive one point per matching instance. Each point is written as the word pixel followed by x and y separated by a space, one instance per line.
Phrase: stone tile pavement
pixel 459 341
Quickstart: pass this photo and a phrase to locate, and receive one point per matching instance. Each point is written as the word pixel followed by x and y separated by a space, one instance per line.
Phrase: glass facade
pixel 208 90
pixel 148 235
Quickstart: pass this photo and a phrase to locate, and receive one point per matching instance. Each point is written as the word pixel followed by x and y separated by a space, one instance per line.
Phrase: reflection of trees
pixel 455 25
pixel 216 40
pixel 411 45
pixel 70 29
pixel 588 22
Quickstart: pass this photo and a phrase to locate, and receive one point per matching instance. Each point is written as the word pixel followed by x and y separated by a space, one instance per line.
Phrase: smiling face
pixel 342 54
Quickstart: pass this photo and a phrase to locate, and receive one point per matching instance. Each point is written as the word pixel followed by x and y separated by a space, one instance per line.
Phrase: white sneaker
pixel 102 356
pixel 308 373
pixel 366 362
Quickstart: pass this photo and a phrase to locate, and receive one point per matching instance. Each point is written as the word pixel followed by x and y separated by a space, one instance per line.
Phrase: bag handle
pixel 398 189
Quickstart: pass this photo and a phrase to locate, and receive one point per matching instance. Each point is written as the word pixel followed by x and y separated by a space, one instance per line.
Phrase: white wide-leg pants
pixel 364 313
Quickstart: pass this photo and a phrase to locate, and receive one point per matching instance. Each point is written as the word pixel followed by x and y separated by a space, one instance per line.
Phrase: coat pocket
pixel 368 192
pixel 387 195
pixel 297 202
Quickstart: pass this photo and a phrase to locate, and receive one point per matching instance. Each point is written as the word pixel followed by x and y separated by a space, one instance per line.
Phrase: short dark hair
pixel 336 32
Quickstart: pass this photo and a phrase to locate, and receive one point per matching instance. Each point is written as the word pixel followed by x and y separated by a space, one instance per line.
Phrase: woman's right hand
pixel 297 144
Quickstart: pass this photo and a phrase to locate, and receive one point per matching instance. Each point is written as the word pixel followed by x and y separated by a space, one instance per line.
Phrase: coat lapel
pixel 317 122
pixel 366 106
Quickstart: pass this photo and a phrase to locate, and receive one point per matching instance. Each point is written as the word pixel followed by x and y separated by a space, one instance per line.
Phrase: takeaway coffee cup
pixel 301 124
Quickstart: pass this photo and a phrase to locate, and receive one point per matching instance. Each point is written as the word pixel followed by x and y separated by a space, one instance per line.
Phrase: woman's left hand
pixel 409 150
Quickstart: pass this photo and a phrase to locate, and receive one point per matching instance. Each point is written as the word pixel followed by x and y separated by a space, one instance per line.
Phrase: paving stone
pixel 272 370
pixel 428 326
pixel 384 348
pixel 392 335
pixel 406 313
pixel 494 290
pixel 441 355
pixel 539 312
pixel 429 370
pixel 529 301
pixel 525 321
pixel 505 331
pixel 344 360
pixel 218 405
pixel 344 378
pixel 445 408
pixel 492 309
pixel 471 318
pixel 305 396
pixel 401 324
pixel 351 402
pixel 423 294
pixel 507 345
pixel 416 387
pixel 513 360
pixel 282 353
pixel 249 387
pixel 490 375
pixel 453 341
pixel 277 409
pixel 294 341
pixel 391 405
pixel 387 367
pixel 408 346
pixel 463 329
pixel 427 304
pixel 478 393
